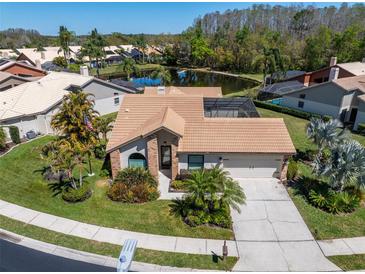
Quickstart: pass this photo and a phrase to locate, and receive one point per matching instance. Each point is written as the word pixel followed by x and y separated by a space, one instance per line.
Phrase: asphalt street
pixel 14 257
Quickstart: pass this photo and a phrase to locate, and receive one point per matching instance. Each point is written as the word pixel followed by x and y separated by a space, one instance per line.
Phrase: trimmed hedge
pixel 2 138
pixel 14 134
pixel 286 110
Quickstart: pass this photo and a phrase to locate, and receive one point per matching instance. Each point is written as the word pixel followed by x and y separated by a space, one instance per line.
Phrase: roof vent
pixel 161 90
pixel 126 110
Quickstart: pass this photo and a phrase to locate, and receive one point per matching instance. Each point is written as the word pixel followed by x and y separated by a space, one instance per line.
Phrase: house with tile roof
pixel 20 68
pixel 30 106
pixel 176 129
pixel 340 98
pixel 8 80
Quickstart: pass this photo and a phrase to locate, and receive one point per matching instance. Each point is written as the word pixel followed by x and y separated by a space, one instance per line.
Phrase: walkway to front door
pixel 271 234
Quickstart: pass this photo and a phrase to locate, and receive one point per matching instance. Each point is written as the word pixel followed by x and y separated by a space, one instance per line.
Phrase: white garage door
pixel 251 166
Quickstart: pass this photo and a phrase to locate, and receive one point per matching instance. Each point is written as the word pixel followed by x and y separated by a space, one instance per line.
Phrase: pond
pixel 193 78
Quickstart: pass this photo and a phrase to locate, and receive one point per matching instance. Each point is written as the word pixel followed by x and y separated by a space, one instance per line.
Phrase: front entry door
pixel 165 157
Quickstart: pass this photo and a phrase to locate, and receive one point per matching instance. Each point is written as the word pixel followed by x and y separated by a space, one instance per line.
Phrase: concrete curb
pixel 85 256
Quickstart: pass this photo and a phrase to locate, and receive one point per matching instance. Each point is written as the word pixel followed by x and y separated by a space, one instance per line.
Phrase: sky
pixel 152 18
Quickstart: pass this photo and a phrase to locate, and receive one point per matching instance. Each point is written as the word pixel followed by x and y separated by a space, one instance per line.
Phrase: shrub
pixel 60 61
pixel 178 185
pixel 342 202
pixel 327 118
pixel 14 134
pixel 140 193
pixel 2 138
pixel 292 170
pixel 74 68
pixel 184 174
pixel 134 176
pixel 77 195
pixel 361 128
pixel 286 110
pixel 104 173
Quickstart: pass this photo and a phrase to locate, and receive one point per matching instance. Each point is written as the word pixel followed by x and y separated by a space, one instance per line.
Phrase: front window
pixel 195 162
pixel 302 96
pixel 116 101
pixel 137 160
pixel 300 104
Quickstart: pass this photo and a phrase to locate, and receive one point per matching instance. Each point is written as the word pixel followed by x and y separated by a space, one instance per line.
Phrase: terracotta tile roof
pixel 198 91
pixel 185 115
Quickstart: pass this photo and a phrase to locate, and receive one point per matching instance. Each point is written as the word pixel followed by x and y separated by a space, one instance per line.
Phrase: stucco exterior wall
pixel 311 106
pixel 138 146
pixel 108 105
pixel 101 90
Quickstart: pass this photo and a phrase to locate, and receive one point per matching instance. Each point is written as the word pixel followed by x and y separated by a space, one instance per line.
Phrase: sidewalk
pixel 344 246
pixel 115 236
pixel 85 256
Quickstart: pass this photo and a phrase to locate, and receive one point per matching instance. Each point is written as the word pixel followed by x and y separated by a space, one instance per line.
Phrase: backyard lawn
pixel 115 69
pixel 322 225
pixel 21 183
pixel 349 262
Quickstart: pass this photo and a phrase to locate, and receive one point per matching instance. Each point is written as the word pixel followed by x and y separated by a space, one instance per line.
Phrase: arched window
pixel 137 160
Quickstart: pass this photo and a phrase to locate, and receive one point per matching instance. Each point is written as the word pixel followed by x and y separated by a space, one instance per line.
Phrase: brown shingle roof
pixel 352 83
pixel 198 91
pixel 185 115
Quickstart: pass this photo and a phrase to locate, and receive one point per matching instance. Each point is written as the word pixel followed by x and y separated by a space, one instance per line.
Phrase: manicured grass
pixel 106 249
pixel 349 262
pixel 21 183
pixel 254 76
pixel 115 69
pixel 251 93
pixel 112 115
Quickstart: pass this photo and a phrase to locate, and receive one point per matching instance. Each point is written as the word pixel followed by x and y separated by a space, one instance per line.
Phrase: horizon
pixel 172 17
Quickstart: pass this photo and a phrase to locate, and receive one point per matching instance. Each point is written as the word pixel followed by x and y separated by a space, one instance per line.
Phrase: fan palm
pixel 104 126
pixel 346 165
pixel 197 186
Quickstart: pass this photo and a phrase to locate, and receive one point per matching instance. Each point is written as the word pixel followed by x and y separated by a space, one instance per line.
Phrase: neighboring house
pixel 33 56
pixel 8 80
pixel 333 71
pixel 172 90
pixel 279 89
pixel 340 98
pixel 30 106
pixel 170 132
pixel 8 54
pixel 20 68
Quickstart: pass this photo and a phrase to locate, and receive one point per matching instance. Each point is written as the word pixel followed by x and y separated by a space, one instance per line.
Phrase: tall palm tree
pixel 141 45
pixel 163 74
pixel 128 66
pixel 75 120
pixel 94 48
pixel 104 126
pixel 65 36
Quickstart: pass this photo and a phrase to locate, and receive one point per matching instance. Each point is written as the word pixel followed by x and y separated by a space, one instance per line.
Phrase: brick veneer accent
pixel 284 169
pixel 152 155
pixel 115 162
pixel 174 159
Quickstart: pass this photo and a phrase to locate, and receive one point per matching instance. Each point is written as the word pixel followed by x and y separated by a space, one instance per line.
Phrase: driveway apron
pixel 271 234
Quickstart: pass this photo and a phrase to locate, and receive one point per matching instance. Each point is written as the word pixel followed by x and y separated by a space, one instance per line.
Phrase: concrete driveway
pixel 271 234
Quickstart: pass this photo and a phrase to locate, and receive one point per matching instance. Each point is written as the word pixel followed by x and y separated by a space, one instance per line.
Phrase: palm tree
pixel 163 74
pixel 128 66
pixel 94 48
pixel 197 187
pixel 232 194
pixel 65 36
pixel 346 165
pixel 141 45
pixel 325 134
pixel 75 121
pixel 104 125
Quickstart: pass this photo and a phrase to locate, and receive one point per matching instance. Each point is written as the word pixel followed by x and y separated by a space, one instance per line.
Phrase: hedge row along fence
pixel 290 111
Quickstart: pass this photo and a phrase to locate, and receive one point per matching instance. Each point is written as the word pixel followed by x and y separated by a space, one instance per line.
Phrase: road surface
pixel 14 257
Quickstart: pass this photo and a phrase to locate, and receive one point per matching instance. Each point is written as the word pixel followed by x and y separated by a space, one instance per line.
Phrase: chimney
pixel 333 61
pixel 84 70
pixel 161 90
pixel 38 64
pixel 333 74
pixel 43 55
pixel 363 60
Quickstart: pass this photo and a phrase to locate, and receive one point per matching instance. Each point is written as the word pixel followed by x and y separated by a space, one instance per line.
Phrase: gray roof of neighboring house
pixel 356 68
pixel 282 88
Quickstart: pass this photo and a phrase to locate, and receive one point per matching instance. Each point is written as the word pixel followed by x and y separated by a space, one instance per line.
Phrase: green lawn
pixel 106 249
pixel 115 69
pixel 254 76
pixel 349 262
pixel 323 225
pixel 21 183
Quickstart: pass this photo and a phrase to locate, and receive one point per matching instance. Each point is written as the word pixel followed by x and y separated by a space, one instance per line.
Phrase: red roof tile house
pixel 173 131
